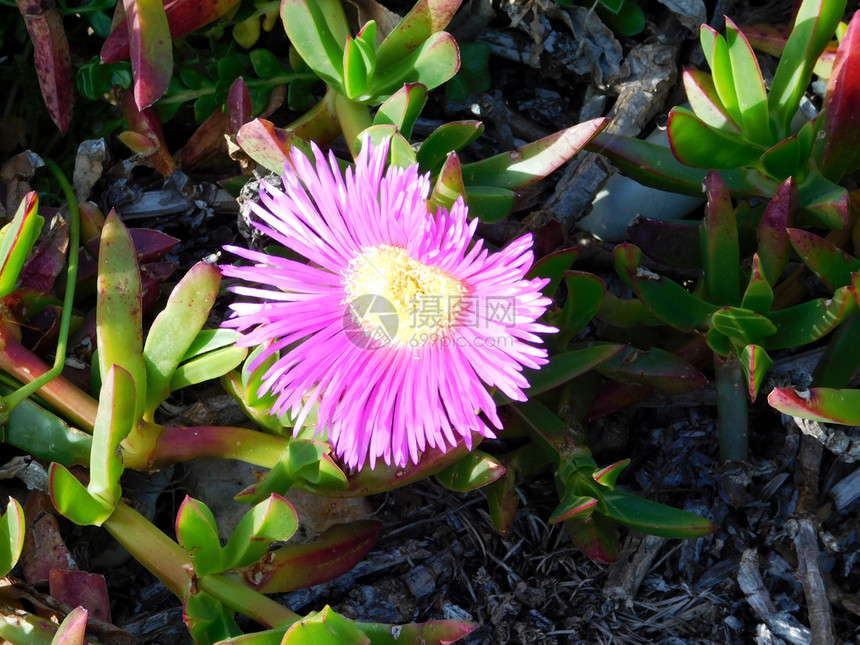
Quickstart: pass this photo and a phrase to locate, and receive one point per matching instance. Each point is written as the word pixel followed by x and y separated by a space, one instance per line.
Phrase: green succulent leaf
pixel 823 404
pixel 742 325
pixel 758 296
pixel 318 30
pixel 489 203
pixel 773 244
pixel 790 157
pixel 553 266
pixel 608 475
pixel 573 506
pixel 71 498
pixel 114 421
pixel 325 628
pixel 176 328
pixel 814 26
pixel 755 363
pixel 431 64
pixel 11 536
pixel 449 183
pixel 424 20
pixel 447 138
pixel 719 244
pixel 807 322
pixel 524 166
pixel 832 265
pixel 567 366
pixel 749 86
pixel 73 629
pixel 596 537
pixel 703 98
pixel 119 320
pixel 207 619
pixel 717 54
pixel 16 241
pixel 656 368
pixel 695 143
pixel 475 470
pixel 402 108
pixel 585 293
pixel 652 517
pixel 272 520
pixel 197 532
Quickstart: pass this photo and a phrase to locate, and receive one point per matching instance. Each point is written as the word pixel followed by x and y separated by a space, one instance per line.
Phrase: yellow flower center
pixel 395 299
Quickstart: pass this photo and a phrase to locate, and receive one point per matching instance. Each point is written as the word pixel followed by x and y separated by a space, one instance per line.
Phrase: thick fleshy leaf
pixel 807 322
pixel 742 326
pixel 449 183
pixel 239 108
pixel 553 266
pixel 266 144
pixel 568 365
pixel 447 138
pixel 656 368
pixel 814 25
pixel 426 18
pixel 73 628
pixel 114 421
pixel 272 520
pixel 841 358
pixel 318 30
pixel 665 298
pixel 324 628
pixel 596 537
pixel 717 54
pixel 749 86
pixel 841 122
pixel 758 296
pixel 825 201
pixel 51 57
pixel 16 241
pixel 832 265
pixel 585 293
pixel 119 327
pixel 175 328
pixel 11 536
pixel 183 17
pixel 151 49
pixel 652 517
pixel 790 157
pixel 755 363
pixel 475 470
pixel 696 143
pixel 719 244
pixel 402 108
pixel 197 532
pixel 298 566
pixel 400 153
pixel 819 404
pixel 703 98
pixel 71 498
pixel 489 203
pixel 773 244
pixel 523 166
pixel 436 632
pixel 431 64
pixel 146 128
pixel 656 166
pixel 608 475
pixel 573 506
pixel 207 619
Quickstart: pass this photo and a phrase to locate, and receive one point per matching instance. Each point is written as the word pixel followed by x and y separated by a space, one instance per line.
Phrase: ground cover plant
pixel 348 289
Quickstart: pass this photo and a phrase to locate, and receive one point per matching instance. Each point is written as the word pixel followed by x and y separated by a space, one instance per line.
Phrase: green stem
pixel 354 118
pixel 19 626
pixel 731 408
pixel 246 601
pixel 68 299
pixel 180 444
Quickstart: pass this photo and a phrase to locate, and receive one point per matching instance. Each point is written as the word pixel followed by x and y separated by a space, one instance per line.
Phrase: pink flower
pixel 398 323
